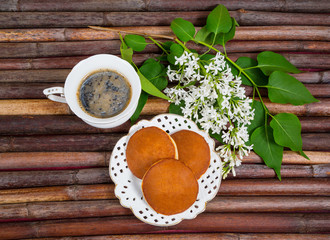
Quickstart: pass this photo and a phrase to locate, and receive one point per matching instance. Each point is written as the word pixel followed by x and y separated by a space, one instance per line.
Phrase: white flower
pixel 216 101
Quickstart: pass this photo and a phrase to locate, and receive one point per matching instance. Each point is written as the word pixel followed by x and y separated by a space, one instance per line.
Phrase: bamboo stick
pixel 272 6
pixel 53 160
pixel 51 124
pixel 105 142
pixel 313 77
pixel 163 18
pixel 57 193
pixel 40 69
pixel 32 76
pixel 69 62
pixel 21 179
pixel 50 19
pixel 235 187
pixel 88 142
pixel 20 91
pixel 259 33
pixel 154 106
pixel 47 124
pixel 75 160
pixel 44 178
pixel 316 33
pixel 49 49
pixel 33 107
pixel 294 158
pixel 229 222
pixel 41 63
pixel 138 5
pixel 206 236
pixel 103 208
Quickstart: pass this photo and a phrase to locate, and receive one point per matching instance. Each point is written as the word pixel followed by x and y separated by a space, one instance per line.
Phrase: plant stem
pixel 250 68
pixel 159 45
pixel 130 32
pixel 182 45
pixel 224 49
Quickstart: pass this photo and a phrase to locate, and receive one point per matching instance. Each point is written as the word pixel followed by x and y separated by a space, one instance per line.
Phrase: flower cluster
pixel 212 96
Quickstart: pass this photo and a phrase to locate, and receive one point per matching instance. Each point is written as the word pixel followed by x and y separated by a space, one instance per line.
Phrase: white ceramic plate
pixel 128 187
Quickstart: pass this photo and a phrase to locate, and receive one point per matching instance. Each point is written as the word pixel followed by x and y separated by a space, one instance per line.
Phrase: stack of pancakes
pixel 169 167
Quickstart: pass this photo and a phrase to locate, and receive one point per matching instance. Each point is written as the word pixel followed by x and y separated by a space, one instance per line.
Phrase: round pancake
pixel 193 151
pixel 147 146
pixel 169 187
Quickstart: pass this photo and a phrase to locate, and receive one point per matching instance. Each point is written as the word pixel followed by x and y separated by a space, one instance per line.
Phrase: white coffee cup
pixel 69 94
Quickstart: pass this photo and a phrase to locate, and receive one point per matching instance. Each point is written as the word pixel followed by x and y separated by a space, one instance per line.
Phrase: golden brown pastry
pixel 193 151
pixel 147 146
pixel 169 187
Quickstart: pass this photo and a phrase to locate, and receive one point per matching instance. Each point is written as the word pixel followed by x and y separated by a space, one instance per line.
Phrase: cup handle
pixel 50 93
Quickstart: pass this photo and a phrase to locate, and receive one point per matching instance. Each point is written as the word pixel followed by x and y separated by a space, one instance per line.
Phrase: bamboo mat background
pixel 54 179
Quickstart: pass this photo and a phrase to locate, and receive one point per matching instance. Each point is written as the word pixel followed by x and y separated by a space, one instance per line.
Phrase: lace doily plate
pixel 128 187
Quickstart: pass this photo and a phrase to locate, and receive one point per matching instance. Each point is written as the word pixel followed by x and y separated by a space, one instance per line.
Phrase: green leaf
pixel 154 71
pixel 162 58
pixel 216 136
pixel 265 146
pixel 304 155
pixel 151 68
pixel 126 54
pixel 148 87
pixel 259 116
pixel 269 62
pixel 202 35
pixel 254 73
pixel 283 88
pixel 287 131
pixel 176 109
pixel 183 29
pixel 236 23
pixel 175 51
pixel 223 38
pixel 219 20
pixel 167 45
pixel 136 42
pixel 206 57
pixel 142 101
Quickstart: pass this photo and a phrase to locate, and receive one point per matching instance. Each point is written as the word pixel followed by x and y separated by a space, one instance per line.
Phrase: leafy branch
pixel 269 134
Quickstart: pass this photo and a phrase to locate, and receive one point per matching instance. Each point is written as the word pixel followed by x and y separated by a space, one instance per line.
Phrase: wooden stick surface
pixel 230 222
pixel 54 168
pixel 57 193
pixel 206 236
pixel 171 5
pixel 300 60
pixel 106 142
pixel 103 208
pixel 163 18
pixel 154 106
pixel 23 91
pixel 52 124
pixel 55 49
pixel 317 33
pixel 22 179
pixel 76 160
pixel 55 70
pixel 235 187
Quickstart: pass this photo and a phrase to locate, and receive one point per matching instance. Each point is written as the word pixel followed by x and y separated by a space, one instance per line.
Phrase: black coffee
pixel 104 93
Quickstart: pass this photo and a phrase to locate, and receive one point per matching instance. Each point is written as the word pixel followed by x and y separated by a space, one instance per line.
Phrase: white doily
pixel 128 187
